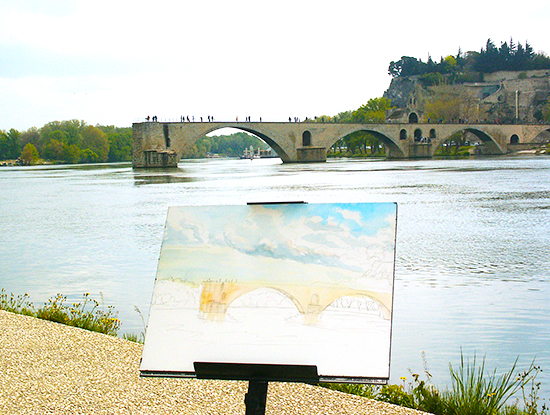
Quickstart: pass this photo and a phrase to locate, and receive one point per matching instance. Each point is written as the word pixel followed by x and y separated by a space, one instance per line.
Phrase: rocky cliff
pixel 498 96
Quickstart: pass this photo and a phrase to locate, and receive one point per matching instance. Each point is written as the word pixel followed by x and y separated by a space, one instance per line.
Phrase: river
pixel 473 242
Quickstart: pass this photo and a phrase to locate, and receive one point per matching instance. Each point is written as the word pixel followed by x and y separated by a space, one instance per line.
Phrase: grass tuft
pixel 473 391
pixel 86 314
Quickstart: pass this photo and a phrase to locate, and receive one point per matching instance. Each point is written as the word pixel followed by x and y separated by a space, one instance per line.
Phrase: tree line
pixel 510 56
pixel 70 142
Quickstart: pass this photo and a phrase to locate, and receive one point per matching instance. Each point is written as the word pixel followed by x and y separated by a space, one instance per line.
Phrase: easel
pixel 258 376
pixel 255 398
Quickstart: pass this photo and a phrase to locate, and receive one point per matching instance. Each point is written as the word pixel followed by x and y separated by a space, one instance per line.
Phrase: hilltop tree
pixel 510 56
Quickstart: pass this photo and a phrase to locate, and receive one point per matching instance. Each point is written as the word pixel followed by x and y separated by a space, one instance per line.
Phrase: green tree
pixel 407 66
pixel 32 135
pixel 54 150
pixel 120 143
pixel 71 131
pixel 10 144
pixel 88 156
pixel 4 146
pixel 71 154
pixel 29 155
pixel 374 111
pixel 95 140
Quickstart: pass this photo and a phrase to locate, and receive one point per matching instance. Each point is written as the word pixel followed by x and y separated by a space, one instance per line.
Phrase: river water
pixel 473 242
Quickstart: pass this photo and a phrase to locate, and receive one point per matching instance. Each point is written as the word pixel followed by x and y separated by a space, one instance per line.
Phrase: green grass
pixel 473 391
pixel 86 314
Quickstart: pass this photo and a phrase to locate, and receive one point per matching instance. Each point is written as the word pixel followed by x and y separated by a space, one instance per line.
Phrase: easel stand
pixel 257 375
pixel 256 398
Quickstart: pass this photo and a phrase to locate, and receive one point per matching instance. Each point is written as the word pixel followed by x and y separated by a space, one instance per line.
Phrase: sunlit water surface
pixel 473 242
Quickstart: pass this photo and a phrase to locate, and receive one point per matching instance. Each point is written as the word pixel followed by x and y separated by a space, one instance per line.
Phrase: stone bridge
pixel 311 301
pixel 161 144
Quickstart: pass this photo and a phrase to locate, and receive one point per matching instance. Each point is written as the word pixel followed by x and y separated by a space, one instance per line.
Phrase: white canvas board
pixel 292 284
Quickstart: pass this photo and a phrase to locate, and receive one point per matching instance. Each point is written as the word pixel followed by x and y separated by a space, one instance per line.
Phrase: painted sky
pixel 115 62
pixel 352 237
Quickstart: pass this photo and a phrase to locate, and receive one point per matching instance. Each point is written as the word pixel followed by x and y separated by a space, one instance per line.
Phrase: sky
pixel 115 62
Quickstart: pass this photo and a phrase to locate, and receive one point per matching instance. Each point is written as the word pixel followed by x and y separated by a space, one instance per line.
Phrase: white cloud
pixel 274 59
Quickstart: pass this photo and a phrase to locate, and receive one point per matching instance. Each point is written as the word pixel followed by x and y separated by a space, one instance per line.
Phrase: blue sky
pixel 115 62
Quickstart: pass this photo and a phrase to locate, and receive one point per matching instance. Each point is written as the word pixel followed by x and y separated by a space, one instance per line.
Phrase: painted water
pixel 473 242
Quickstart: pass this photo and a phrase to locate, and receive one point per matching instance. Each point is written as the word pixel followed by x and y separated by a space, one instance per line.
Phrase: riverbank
pixel 47 367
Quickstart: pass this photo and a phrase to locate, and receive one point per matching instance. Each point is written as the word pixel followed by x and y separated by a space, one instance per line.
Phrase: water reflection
pixel 143 177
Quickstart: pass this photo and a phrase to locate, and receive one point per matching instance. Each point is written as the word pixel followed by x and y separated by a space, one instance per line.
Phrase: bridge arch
pixel 265 138
pixel 394 149
pixel 514 139
pixel 491 144
pixel 384 310
pixel 243 292
pixel 542 137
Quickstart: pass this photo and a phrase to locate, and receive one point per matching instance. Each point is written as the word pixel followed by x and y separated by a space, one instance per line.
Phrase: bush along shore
pixel 474 390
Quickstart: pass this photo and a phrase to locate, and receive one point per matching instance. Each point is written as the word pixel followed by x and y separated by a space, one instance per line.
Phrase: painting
pixel 288 284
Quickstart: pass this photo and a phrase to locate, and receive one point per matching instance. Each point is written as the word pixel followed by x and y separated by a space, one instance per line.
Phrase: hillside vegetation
pixel 471 66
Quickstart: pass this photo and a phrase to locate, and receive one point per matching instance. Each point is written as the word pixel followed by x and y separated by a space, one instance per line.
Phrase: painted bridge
pixel 162 144
pixel 310 300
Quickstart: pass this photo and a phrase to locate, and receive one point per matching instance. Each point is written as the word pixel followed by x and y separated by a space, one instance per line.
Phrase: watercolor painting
pixel 302 284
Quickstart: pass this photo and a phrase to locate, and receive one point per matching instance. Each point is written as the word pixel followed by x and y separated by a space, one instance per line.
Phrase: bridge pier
pixel 418 151
pixel 311 154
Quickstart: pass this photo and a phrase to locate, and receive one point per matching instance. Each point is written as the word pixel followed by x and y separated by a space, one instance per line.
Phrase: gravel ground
pixel 48 368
